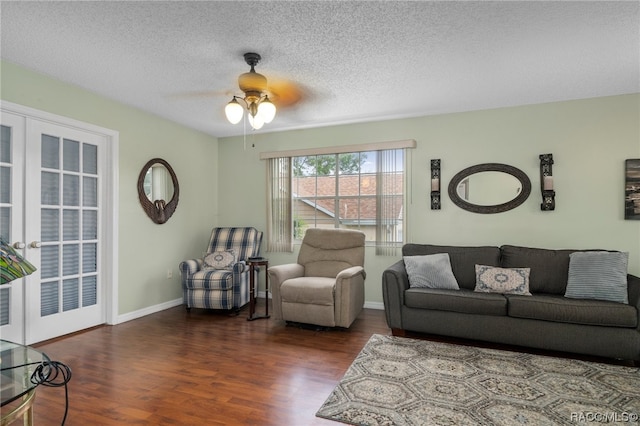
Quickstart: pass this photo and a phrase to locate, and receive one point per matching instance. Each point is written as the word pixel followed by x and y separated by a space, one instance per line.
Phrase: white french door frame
pixel 110 230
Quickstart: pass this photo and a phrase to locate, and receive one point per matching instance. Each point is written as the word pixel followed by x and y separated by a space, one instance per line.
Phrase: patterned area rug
pixel 400 381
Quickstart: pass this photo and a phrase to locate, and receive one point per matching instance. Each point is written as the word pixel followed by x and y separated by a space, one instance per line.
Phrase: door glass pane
pixel 71 190
pixel 50 188
pixel 50 152
pixel 89 290
pixel 70 294
pixel 5 223
pixel 70 259
pixel 5 297
pixel 90 192
pixel 50 256
pixel 89 258
pixel 71 155
pixel 5 185
pixel 70 225
pixel 89 224
pixel 5 144
pixel 90 159
pixel 49 224
pixel 49 298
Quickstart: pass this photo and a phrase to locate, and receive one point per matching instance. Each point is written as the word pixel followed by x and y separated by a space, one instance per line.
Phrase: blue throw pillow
pixel 600 275
pixel 430 271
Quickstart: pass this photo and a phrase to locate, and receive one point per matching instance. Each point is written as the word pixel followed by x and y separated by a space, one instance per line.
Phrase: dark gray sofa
pixel 545 320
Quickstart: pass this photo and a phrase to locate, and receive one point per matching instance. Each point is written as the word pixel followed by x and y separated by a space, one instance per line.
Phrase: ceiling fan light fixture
pixel 267 110
pixel 254 85
pixel 256 121
pixel 234 111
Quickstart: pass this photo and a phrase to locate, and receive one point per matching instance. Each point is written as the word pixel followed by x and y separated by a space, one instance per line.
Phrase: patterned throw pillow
pixel 430 271
pixel 490 279
pixel 220 259
pixel 600 275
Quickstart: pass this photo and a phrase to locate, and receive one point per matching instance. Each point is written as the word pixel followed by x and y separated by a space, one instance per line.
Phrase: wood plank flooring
pixel 209 368
pixel 201 368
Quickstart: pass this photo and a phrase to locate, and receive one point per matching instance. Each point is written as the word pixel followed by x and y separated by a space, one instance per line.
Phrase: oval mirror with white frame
pixel 489 188
pixel 158 190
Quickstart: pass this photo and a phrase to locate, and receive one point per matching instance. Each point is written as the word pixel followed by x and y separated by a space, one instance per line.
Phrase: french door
pixel 53 210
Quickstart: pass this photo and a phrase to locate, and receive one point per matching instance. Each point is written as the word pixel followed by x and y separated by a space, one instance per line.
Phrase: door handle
pixel 35 244
pixel 19 245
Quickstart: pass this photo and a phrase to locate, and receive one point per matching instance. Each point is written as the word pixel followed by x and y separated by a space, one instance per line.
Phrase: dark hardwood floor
pixel 209 368
pixel 201 368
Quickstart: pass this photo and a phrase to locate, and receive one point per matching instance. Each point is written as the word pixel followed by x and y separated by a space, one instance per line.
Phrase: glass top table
pixel 17 364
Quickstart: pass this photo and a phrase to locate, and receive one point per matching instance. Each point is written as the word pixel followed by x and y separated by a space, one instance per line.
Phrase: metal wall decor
pixel 435 184
pixel 546 183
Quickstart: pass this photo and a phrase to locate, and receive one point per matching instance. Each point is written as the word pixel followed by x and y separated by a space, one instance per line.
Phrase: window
pixel 361 190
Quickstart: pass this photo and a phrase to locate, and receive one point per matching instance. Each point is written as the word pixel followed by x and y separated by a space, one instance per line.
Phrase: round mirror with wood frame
pixel 459 178
pixel 158 210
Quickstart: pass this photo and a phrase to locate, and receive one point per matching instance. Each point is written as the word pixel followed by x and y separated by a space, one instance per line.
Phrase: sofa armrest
pixel 633 290
pixel 188 268
pixel 394 283
pixel 349 295
pixel 277 275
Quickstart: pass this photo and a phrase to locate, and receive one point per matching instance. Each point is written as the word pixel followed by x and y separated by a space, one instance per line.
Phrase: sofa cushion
pixel 575 311
pixel 430 271
pixel 310 290
pixel 463 259
pixel 490 279
pixel 463 300
pixel 549 268
pixel 598 275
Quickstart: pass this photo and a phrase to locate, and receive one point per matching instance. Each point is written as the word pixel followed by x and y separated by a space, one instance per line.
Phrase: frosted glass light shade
pixel 267 110
pixel 256 122
pixel 234 111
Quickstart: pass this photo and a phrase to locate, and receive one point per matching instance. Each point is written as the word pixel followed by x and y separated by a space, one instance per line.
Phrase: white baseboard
pixel 177 302
pixel 148 311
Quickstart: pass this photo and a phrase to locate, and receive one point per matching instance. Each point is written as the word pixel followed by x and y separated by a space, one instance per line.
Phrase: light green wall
pixel 589 140
pixel 146 250
pixel 222 183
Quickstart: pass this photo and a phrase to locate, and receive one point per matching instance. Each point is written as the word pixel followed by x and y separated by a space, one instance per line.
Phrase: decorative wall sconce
pixel 546 183
pixel 435 184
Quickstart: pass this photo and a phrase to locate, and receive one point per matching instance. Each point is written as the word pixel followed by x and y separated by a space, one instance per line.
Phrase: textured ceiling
pixel 357 61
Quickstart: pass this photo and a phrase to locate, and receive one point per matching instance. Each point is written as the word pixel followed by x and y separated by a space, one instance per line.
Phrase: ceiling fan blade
pixel 285 93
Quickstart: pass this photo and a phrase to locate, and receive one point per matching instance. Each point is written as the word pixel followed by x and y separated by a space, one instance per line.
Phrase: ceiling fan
pixel 260 97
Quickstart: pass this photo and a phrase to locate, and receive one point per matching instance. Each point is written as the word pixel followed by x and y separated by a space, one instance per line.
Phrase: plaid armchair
pixel 204 286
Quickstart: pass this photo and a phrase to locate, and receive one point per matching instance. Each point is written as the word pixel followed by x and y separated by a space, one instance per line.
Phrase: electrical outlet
pixel 169 274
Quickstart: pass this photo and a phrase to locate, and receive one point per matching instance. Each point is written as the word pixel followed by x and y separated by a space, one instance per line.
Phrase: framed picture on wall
pixel 632 189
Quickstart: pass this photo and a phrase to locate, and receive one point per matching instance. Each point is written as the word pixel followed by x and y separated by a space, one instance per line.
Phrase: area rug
pixel 401 381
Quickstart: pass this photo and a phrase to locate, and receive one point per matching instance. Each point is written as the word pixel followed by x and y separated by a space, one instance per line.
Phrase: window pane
pixel 71 155
pixel 89 224
pixel 90 159
pixel 49 224
pixel 89 258
pixel 5 223
pixel 70 259
pixel 5 185
pixel 89 192
pixel 5 144
pixel 71 190
pixel 49 298
pixel 89 291
pixel 49 261
pixel 50 152
pixel 50 192
pixel 70 225
pixel 5 297
pixel 70 294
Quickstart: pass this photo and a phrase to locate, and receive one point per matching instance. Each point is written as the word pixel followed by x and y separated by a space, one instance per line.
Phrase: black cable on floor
pixel 54 374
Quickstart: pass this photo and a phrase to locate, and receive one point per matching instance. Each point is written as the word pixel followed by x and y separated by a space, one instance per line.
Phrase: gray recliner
pixel 326 286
